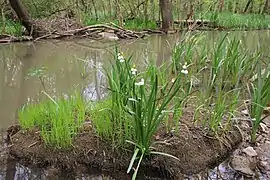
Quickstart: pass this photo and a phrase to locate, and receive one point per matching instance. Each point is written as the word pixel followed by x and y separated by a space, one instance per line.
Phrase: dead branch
pixel 92 31
pixel 16 39
pixel 43 37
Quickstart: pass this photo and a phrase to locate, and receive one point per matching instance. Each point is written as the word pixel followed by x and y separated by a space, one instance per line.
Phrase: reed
pixel 260 97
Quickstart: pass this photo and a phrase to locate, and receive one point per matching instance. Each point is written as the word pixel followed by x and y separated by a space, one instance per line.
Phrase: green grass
pixel 58 120
pixel 138 24
pixel 260 97
pixel 230 65
pixel 238 21
pixel 217 116
pixel 131 24
pixel 101 115
pixel 10 27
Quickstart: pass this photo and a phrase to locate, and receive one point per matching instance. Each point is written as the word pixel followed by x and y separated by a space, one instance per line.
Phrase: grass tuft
pixel 10 27
pixel 260 98
pixel 59 120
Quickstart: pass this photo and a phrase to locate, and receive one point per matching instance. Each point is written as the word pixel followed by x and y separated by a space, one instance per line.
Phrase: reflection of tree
pixel 27 62
pixel 95 46
pixel 18 171
pixel 11 68
pixel 96 70
pixel 13 83
pixel 93 91
pixel 164 50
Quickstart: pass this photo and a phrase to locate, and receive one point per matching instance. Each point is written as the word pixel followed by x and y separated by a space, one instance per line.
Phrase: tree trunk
pixel 221 5
pixel 266 8
pixel 248 4
pixel 146 12
pixel 25 18
pixel 191 12
pixel 118 13
pixel 166 14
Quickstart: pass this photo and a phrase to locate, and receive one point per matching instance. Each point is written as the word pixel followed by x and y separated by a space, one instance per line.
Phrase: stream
pixel 77 64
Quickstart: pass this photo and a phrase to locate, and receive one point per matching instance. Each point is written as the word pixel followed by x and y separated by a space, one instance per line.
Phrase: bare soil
pixel 195 149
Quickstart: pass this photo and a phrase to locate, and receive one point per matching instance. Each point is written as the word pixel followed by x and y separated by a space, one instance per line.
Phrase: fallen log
pixel 93 31
pixel 15 39
pixel 193 21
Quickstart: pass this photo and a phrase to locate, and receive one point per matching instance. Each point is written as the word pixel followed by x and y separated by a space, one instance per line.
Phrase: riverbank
pixel 60 26
pixel 237 21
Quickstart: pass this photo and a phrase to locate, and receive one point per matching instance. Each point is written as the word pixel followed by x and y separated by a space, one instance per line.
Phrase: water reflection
pixel 95 90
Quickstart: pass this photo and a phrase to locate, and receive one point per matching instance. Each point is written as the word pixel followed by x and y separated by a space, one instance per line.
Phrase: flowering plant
pixel 137 105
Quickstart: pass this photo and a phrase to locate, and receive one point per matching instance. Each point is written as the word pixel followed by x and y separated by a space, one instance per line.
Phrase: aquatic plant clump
pixel 137 106
pixel 217 71
pixel 260 97
pixel 58 120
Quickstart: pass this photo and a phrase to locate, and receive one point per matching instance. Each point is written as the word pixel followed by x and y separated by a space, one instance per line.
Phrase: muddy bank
pixel 252 160
pixel 195 149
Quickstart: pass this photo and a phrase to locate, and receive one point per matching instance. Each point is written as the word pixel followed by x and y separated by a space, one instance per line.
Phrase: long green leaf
pixel 133 159
pixel 138 166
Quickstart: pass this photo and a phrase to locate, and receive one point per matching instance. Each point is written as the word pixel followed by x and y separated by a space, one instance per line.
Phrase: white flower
pixel 184 71
pixel 133 71
pixel 173 79
pixel 141 83
pixel 120 57
pixel 185 65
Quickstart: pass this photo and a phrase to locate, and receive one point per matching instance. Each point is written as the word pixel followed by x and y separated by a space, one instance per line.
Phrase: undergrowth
pixel 10 27
pixel 238 21
pixel 131 24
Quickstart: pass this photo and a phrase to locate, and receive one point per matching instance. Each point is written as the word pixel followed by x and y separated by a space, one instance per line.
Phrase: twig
pixel 154 31
pixel 16 39
pixel 42 37
pixel 33 144
pixel 118 26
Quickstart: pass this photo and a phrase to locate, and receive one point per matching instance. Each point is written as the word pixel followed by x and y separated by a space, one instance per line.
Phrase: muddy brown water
pixel 76 64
